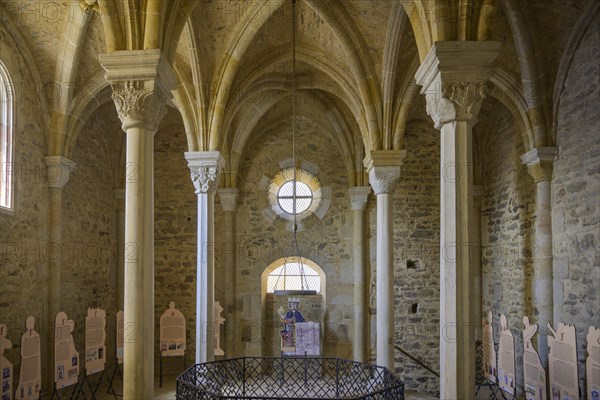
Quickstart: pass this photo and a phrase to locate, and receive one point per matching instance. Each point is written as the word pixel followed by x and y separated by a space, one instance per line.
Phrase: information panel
pixel 533 370
pixel 489 352
pixel 308 339
pixel 172 332
pixel 506 358
pixel 562 359
pixel 5 366
pixel 593 363
pixel 66 357
pixel 30 375
pixel 95 340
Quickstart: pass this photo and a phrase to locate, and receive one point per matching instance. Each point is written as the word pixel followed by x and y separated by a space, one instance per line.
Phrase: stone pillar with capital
pixel 539 163
pixel 453 78
pixel 141 81
pixel 383 167
pixel 228 198
pixel 358 204
pixel 205 167
pixel 58 172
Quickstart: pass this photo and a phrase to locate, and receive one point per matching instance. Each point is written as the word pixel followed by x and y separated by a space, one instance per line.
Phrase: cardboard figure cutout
pixel 219 320
pixel 562 359
pixel 489 351
pixel 533 370
pixel 66 357
pixel 30 376
pixel 593 363
pixel 5 366
pixel 95 340
pixel 120 336
pixel 172 332
pixel 507 379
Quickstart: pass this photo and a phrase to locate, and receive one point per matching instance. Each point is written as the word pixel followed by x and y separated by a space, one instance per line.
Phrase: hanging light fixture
pixel 296 261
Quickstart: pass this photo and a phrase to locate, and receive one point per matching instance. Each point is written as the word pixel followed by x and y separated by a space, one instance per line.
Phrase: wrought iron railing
pixel 417 361
pixel 288 378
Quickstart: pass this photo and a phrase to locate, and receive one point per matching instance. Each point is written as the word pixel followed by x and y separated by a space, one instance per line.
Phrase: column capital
pixel 228 198
pixel 359 196
pixel 59 171
pixel 141 81
pixel 205 167
pixel 383 167
pixel 453 78
pixel 539 163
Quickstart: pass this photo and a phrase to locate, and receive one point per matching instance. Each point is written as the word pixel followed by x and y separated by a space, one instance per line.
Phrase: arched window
pixel 289 274
pixel 6 139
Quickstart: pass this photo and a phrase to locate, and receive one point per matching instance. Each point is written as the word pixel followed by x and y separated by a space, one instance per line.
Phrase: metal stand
pixel 57 392
pixel 93 389
pixel 161 366
pixel 111 378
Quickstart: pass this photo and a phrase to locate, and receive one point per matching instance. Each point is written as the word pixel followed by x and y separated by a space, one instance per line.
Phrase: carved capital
pixel 205 167
pixel 58 171
pixel 359 196
pixel 455 101
pixel 383 168
pixel 540 162
pixel 228 198
pixel 142 81
pixel 138 105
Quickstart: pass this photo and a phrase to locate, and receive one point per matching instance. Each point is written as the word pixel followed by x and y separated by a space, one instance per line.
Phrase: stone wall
pixel 576 195
pixel 507 227
pixel 416 260
pixel 175 221
pixel 24 233
pixel 89 258
pixel 261 240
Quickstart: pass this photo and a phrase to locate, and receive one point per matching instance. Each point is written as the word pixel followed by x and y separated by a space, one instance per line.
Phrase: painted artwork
pixel 489 352
pixel 66 357
pixel 95 341
pixel 5 366
pixel 562 359
pixel 30 375
pixel 507 379
pixel 593 363
pixel 120 336
pixel 289 319
pixel 533 370
pixel 172 332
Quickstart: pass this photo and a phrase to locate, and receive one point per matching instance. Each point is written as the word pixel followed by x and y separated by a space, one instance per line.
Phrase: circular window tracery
pixel 285 203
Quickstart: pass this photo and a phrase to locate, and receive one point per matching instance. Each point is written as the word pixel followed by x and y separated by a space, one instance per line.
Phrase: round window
pixel 294 197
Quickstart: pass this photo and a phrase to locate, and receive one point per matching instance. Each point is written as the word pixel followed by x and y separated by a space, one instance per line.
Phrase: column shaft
pixel 457 358
pixel 205 293
pixel 138 367
pixel 384 173
pixel 120 272
pixel 539 163
pixel 358 196
pixel 385 281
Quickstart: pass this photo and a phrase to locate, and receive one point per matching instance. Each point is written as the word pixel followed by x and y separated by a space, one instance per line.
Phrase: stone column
pixel 383 168
pixel 453 77
pixel 228 198
pixel 141 82
pixel 539 162
pixel 358 199
pixel 205 167
pixel 120 272
pixel 477 266
pixel 58 172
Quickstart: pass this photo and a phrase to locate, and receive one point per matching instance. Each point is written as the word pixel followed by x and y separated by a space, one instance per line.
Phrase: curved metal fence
pixel 288 378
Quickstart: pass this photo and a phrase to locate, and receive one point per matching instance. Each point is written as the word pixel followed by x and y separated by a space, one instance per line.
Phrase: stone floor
pixel 167 392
